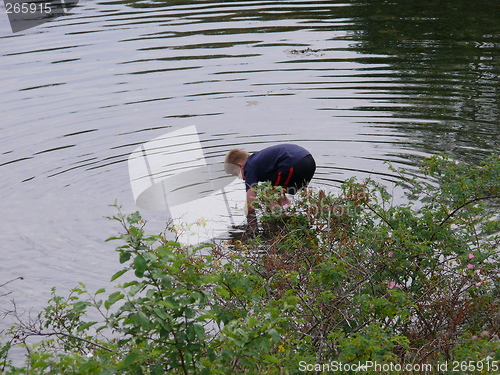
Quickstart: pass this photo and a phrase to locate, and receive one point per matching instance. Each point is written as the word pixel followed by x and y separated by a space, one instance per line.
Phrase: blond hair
pixel 233 157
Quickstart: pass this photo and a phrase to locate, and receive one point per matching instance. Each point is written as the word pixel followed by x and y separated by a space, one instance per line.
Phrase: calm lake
pixel 358 83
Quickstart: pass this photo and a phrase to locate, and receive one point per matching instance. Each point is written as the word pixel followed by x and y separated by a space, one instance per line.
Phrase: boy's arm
pixel 251 216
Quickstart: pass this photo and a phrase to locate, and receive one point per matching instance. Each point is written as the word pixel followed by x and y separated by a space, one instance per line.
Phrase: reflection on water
pixel 444 64
pixel 355 82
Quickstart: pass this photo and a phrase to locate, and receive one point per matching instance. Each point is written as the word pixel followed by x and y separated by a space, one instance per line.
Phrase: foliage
pixel 350 278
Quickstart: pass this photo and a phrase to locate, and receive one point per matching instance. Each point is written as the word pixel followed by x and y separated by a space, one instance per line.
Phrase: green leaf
pixel 112 299
pixel 140 265
pixel 134 218
pixel 227 354
pixel 80 306
pixel 166 281
pixel 275 335
pixel 189 313
pixel 222 291
pixel 99 291
pixel 169 304
pixel 199 330
pixel 130 358
pixel 135 289
pixel 150 256
pixel 161 313
pixel 173 244
pixel 85 326
pixel 270 358
pixel 125 256
pixel 112 238
pixel 129 284
pixel 118 274
pixel 158 370
pixel 211 279
pixel 142 320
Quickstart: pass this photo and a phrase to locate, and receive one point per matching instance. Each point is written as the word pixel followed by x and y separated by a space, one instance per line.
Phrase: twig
pixel 70 336
pixel 8 282
pixel 452 213
pixel 379 215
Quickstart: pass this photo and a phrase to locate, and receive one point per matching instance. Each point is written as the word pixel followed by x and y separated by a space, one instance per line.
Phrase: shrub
pixel 348 278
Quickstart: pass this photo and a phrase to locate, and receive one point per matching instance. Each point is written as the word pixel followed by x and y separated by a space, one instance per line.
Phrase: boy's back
pixel 264 164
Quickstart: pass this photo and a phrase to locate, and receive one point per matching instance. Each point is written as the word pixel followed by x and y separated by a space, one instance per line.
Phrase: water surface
pixel 356 82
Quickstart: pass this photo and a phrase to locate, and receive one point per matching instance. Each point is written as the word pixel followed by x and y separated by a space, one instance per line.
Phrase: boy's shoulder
pixel 289 148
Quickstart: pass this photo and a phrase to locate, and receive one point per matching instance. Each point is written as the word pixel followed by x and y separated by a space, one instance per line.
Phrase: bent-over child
pixel 286 165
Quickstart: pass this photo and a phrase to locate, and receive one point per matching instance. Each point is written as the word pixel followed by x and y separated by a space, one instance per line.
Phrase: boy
pixel 286 165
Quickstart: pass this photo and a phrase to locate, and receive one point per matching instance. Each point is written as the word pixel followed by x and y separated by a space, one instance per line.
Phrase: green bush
pixel 334 279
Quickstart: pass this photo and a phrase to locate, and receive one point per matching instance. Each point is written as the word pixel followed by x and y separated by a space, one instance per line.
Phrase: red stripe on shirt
pixel 289 177
pixel 278 179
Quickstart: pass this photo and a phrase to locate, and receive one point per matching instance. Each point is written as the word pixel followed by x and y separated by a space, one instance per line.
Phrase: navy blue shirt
pixel 261 165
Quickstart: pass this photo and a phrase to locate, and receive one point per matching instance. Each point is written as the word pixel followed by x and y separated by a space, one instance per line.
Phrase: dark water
pixel 356 82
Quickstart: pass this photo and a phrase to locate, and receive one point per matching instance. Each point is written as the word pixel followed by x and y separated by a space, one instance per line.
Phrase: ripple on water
pixel 357 83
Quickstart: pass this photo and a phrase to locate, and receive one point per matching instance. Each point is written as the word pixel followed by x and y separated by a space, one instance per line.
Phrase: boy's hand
pixel 251 216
